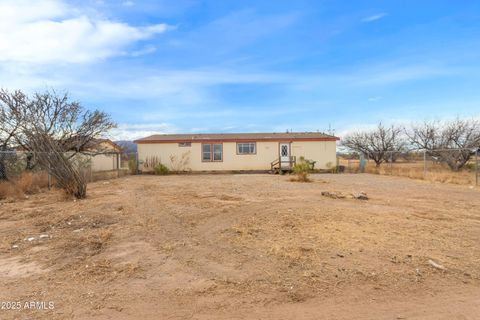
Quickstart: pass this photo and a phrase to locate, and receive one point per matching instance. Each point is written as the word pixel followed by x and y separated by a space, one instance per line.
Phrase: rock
pixel 9 200
pixel 29 239
pixel 15 246
pixel 333 195
pixel 436 265
pixel 360 196
pixel 44 236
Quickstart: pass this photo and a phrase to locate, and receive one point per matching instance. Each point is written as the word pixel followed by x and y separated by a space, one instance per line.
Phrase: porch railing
pixel 282 164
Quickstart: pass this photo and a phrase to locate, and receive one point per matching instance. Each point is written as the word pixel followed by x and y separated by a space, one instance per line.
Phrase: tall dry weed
pixel 26 183
pixel 9 190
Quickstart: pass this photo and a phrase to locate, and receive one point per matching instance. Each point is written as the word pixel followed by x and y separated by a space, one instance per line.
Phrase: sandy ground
pixel 244 247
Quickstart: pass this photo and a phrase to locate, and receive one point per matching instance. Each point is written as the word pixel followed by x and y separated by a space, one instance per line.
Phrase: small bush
pixel 132 166
pixel 150 163
pixel 470 166
pixel 160 169
pixel 301 169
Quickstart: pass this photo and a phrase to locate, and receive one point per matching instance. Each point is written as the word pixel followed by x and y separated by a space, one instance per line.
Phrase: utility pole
pixel 330 130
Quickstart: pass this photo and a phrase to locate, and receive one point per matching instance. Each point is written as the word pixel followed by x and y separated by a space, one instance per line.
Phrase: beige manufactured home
pixel 105 155
pixel 236 151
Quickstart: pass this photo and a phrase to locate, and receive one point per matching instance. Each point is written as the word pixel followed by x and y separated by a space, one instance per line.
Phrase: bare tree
pixel 55 130
pixel 451 142
pixel 381 144
pixel 9 125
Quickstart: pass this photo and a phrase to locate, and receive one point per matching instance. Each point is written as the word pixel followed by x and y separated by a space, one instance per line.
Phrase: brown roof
pixel 113 144
pixel 228 137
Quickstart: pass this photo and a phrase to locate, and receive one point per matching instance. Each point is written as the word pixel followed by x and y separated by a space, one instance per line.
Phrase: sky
pixel 192 66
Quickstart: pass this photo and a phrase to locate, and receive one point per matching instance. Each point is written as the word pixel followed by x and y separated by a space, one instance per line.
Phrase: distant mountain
pixel 127 146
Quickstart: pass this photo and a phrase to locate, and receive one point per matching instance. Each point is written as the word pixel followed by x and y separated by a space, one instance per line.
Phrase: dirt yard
pixel 244 246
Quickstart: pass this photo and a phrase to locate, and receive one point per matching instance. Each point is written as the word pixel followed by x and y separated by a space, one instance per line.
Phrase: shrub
pixel 334 168
pixel 160 169
pixel 470 166
pixel 151 163
pixel 132 166
pixel 301 169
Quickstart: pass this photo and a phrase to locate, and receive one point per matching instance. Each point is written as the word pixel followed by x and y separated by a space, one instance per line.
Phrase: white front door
pixel 284 155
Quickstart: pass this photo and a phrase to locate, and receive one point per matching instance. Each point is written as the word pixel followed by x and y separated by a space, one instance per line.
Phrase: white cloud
pixel 374 17
pixel 50 31
pixel 386 74
pixel 146 50
pixel 128 3
pixel 136 131
pixel 374 99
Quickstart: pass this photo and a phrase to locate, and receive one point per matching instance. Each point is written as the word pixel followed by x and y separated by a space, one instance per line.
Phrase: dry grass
pixel 9 190
pixel 435 172
pixel 30 183
pixel 27 183
pixel 232 243
pixel 300 178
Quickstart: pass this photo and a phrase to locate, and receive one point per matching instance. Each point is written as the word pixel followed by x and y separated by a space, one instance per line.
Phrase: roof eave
pixel 141 141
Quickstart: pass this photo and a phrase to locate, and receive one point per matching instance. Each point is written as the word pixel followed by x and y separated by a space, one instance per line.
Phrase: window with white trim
pixel 217 152
pixel 206 152
pixel 212 152
pixel 246 148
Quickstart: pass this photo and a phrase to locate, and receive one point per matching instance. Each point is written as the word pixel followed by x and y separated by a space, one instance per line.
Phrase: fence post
pixel 391 163
pixel 424 164
pixel 90 171
pixel 362 163
pixel 136 162
pixel 49 178
pixel 118 164
pixel 476 166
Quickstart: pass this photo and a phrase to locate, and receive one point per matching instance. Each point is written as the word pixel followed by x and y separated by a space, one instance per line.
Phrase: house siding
pixel 323 152
pixel 104 162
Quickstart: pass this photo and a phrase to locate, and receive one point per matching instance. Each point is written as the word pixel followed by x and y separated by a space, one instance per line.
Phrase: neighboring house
pixel 237 151
pixel 99 155
pixel 104 155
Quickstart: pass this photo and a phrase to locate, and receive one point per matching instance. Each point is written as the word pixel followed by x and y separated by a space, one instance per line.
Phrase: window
pixel 284 150
pixel 212 152
pixel 217 152
pixel 206 152
pixel 184 144
pixel 246 148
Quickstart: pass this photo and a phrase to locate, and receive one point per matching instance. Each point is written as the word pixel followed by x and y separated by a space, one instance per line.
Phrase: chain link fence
pixel 20 172
pixel 460 166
